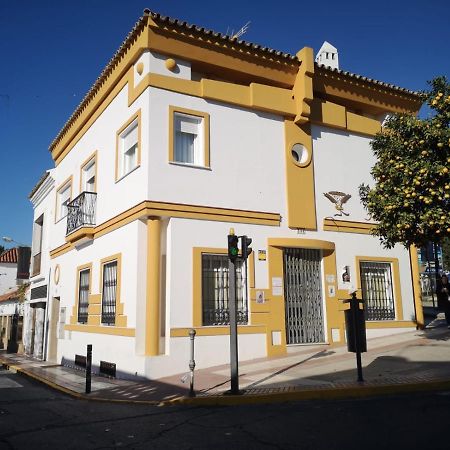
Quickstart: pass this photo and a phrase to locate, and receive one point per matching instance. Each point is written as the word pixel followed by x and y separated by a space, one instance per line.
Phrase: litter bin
pixel 355 327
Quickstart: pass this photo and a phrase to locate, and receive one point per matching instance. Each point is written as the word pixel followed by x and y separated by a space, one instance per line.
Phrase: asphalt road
pixel 34 417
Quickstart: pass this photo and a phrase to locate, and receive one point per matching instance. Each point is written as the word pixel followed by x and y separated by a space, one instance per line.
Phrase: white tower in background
pixel 328 56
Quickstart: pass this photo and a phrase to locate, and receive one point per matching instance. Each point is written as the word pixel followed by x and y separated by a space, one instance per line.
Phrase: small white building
pixel 185 134
pixel 41 312
pixel 14 273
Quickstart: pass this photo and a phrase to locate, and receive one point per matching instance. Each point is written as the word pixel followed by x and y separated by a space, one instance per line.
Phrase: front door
pixel 303 296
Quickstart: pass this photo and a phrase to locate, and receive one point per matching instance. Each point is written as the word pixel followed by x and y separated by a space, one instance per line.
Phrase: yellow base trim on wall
pixel 101 330
pixel 163 209
pixel 218 331
pixel 346 226
pixel 370 325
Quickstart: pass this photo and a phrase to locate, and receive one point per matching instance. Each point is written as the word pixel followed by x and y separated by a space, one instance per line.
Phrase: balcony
pixel 81 217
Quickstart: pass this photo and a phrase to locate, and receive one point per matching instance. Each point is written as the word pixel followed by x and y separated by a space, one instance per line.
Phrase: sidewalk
pixel 405 362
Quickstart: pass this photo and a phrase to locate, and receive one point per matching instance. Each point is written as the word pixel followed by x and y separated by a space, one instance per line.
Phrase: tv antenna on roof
pixel 240 32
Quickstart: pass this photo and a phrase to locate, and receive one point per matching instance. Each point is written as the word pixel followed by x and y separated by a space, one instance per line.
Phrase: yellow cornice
pixel 362 94
pixel 347 226
pixel 163 209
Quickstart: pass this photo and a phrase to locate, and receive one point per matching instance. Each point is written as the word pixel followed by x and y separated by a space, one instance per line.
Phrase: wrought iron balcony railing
pixel 81 211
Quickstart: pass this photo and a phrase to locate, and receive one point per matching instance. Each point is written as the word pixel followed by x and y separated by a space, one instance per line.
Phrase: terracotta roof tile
pixel 165 20
pixel 9 256
pixel 9 296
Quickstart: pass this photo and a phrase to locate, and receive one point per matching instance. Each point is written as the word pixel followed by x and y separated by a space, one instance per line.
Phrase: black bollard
pixel 88 368
pixel 192 334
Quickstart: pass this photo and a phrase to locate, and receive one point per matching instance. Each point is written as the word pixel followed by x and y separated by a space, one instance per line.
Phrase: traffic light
pixel 246 250
pixel 233 249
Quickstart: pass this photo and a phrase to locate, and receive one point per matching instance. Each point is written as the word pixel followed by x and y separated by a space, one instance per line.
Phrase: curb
pixel 74 394
pixel 336 393
pixel 322 394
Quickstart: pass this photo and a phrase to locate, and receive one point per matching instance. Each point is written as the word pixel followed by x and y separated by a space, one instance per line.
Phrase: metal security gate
pixel 377 290
pixel 303 296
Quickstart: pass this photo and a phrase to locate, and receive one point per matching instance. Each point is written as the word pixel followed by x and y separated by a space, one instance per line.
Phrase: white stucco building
pixel 41 311
pixel 185 134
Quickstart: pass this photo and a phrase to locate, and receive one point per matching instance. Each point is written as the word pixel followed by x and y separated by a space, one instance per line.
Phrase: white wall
pixel 8 276
pixel 246 153
pixel 112 197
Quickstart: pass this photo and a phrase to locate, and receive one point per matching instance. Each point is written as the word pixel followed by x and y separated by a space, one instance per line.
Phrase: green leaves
pixel 411 196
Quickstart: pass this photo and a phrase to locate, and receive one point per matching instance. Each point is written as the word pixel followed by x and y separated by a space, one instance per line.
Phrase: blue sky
pixel 51 52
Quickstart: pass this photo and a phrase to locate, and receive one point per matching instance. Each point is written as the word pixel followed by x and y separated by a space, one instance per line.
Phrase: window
pixel 215 291
pixel 88 176
pixel 63 198
pixel 83 295
pixel 109 293
pixel 189 137
pixel 37 245
pixel 377 290
pixel 128 151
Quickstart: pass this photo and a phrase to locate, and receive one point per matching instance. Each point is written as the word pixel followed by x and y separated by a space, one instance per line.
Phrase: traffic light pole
pixel 233 329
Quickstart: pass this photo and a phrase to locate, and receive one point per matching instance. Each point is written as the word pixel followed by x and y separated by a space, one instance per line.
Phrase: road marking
pixel 8 383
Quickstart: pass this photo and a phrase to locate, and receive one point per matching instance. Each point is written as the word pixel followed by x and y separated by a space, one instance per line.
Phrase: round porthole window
pixel 299 153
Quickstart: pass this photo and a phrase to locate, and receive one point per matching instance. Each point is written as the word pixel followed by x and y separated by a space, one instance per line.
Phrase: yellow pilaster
pixel 416 286
pixel 152 330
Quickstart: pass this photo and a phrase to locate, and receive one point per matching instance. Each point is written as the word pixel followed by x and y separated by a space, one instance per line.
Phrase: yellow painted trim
pixel 218 331
pixel 303 86
pixel 94 309
pixel 153 313
pixel 135 117
pixel 58 251
pixel 86 162
pixel 164 209
pixel 116 257
pixel 361 95
pixel 68 180
pixel 273 311
pixel 300 192
pixel 362 125
pixel 87 266
pixel 116 331
pixel 197 252
pixel 395 279
pixel 205 116
pixel 140 68
pixel 95 299
pixel 415 274
pixel 170 64
pixel 346 226
pixel 80 233
pixel 317 244
pixel 328 114
pixel 373 325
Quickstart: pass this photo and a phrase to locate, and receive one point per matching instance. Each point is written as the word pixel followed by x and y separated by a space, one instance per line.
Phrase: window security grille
pixel 83 295
pixel 215 291
pixel 109 293
pixel 377 290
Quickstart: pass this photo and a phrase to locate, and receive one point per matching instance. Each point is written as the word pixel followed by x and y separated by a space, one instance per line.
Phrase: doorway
pixel 303 296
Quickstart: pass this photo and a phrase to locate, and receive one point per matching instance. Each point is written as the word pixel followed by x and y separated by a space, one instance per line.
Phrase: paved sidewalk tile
pixel 401 361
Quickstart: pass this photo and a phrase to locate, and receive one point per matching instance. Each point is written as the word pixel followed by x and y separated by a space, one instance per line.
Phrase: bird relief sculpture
pixel 339 199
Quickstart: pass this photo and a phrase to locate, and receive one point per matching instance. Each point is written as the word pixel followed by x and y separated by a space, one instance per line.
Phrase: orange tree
pixel 410 199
